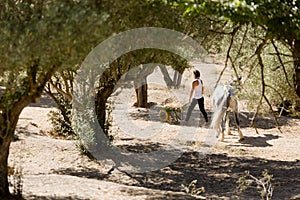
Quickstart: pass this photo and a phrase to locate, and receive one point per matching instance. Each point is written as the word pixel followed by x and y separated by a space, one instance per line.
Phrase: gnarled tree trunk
pixel 166 76
pixel 10 112
pixel 104 92
pixel 8 123
pixel 141 86
pixel 177 79
pixel 141 90
pixel 296 76
pixel 4 151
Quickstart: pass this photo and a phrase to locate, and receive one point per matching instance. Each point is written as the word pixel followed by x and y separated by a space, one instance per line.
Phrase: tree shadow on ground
pixel 141 148
pixel 91 173
pixel 257 141
pixel 157 195
pixel 35 197
pixel 138 156
pixel 217 173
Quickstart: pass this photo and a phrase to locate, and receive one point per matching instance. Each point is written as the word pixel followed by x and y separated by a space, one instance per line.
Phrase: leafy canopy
pixel 280 19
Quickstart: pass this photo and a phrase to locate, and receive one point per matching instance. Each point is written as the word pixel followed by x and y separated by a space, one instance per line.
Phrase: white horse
pixel 224 101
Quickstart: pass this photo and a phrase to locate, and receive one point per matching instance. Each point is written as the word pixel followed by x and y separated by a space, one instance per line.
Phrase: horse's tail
pixel 217 117
pixel 219 112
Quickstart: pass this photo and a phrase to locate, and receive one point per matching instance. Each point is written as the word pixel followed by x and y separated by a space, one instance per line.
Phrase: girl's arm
pixel 194 84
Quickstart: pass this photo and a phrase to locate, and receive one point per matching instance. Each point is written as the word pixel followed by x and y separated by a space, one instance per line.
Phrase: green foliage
pixel 192 188
pixel 84 126
pixel 61 119
pixel 141 13
pixel 15 176
pixel 281 19
pixel 83 149
pixel 278 80
pixel 171 109
pixel 259 41
pixel 263 184
pixel 277 70
pixel 108 122
pixel 37 38
pixel 114 17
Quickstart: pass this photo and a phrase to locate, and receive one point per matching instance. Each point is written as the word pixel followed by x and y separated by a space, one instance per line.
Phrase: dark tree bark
pixel 4 151
pixel 296 57
pixel 10 112
pixel 166 76
pixel 8 123
pixel 141 86
pixel 141 90
pixel 177 79
pixel 106 89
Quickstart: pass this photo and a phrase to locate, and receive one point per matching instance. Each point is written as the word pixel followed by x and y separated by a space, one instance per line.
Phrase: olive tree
pixel 262 40
pixel 37 38
pixel 119 17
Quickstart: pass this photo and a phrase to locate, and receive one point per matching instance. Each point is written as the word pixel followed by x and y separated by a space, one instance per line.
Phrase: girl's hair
pixel 196 73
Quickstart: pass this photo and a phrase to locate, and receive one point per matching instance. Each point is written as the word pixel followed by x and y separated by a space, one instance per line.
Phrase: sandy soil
pixel 53 168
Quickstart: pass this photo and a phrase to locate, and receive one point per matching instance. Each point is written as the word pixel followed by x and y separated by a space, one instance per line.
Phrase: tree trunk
pixel 141 90
pixel 178 82
pixel 8 123
pixel 101 111
pixel 166 76
pixel 296 76
pixel 100 102
pixel 141 86
pixel 4 151
pixel 296 57
pixel 177 79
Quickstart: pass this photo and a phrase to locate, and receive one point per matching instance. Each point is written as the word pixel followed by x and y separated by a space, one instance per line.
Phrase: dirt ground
pixel 53 168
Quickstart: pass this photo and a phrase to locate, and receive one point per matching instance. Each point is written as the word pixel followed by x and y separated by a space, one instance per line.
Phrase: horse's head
pixel 235 83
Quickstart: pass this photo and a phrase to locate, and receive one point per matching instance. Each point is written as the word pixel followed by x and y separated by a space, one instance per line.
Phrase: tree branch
pixel 60 91
pixel 263 84
pixel 228 54
pixel 258 52
pixel 242 43
pixel 281 62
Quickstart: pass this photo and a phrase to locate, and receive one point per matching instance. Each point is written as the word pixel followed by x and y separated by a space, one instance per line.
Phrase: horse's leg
pixel 222 129
pixel 223 136
pixel 218 130
pixel 227 123
pixel 237 122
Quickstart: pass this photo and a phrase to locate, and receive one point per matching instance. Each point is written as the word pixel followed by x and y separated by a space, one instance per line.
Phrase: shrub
pixel 16 180
pixel 61 118
pixel 263 184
